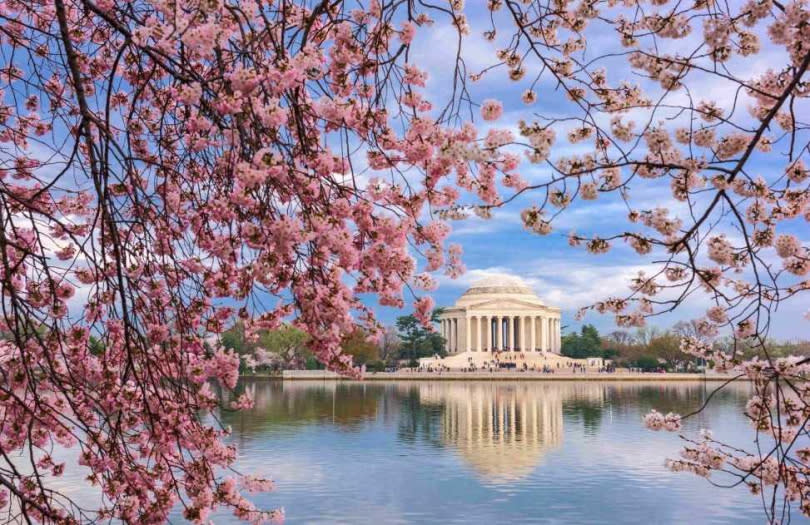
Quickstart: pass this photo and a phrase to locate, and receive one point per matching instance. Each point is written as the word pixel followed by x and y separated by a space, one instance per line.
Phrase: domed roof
pixel 502 282
pixel 498 286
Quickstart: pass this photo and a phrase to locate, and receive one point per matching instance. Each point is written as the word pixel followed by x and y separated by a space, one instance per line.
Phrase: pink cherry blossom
pixel 170 168
pixel 491 110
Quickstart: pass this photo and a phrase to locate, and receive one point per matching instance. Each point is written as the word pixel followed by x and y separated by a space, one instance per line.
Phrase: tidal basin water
pixel 484 452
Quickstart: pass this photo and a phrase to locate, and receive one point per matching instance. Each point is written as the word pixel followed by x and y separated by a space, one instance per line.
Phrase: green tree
pixel 234 338
pixel 667 346
pixel 586 343
pixel 646 362
pixel 416 340
pixel 286 345
pixel 360 348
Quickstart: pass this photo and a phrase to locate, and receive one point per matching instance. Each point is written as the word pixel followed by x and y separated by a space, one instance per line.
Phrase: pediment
pixel 506 304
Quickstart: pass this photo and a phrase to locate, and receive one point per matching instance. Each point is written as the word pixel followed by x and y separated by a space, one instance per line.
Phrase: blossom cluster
pixel 717 149
pixel 174 168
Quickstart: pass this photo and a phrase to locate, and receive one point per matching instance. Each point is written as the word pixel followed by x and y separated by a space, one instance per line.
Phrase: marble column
pixel 478 335
pixel 534 332
pixel 544 334
pixel 558 336
pixel 482 336
pixel 510 322
pixel 488 332
pixel 522 324
pixel 498 329
pixel 454 324
pixel 468 327
pixel 512 333
pixel 455 335
pixel 553 333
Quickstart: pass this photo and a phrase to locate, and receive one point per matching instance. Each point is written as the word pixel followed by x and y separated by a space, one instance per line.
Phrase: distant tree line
pixel 651 348
pixel 408 340
pixel 286 347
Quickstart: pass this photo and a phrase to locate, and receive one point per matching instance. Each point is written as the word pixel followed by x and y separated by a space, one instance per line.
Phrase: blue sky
pixel 564 276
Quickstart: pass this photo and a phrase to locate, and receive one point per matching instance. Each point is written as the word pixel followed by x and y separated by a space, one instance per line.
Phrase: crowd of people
pixel 516 362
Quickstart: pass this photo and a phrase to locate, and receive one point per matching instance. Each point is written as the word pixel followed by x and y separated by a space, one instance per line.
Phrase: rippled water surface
pixel 479 452
pixel 484 452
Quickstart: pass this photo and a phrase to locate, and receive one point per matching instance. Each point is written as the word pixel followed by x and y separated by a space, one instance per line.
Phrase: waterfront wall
pixel 503 375
pixel 309 374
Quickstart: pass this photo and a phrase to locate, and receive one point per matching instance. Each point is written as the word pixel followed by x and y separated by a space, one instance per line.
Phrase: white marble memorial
pixel 500 322
pixel 502 314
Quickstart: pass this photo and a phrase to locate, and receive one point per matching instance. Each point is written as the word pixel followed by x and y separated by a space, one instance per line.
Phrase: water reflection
pixel 501 430
pixel 300 403
pixel 475 452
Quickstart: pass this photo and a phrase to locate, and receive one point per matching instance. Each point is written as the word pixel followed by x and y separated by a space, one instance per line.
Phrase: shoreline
pixel 322 375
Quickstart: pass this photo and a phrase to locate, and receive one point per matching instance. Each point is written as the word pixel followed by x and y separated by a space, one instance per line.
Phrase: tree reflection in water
pixel 501 429
pixel 301 403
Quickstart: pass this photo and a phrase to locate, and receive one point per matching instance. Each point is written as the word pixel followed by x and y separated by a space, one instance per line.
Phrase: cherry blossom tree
pixel 172 167
pixel 704 106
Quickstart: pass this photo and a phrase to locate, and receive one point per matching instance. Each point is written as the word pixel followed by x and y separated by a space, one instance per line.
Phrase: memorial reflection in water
pixel 501 430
